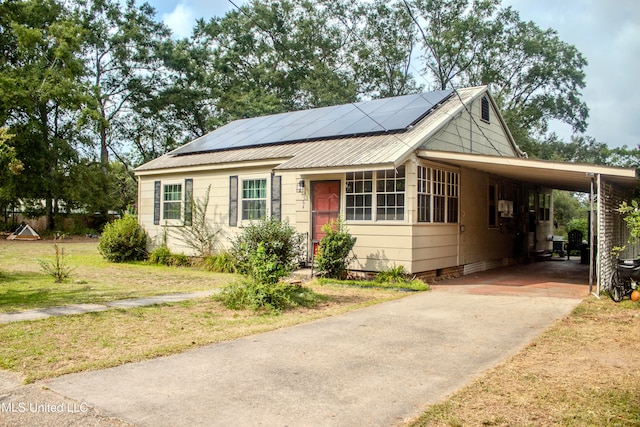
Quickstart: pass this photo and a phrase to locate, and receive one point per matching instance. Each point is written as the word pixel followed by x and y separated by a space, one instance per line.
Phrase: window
pixel 390 194
pixel 544 207
pixel 254 199
pixel 424 194
pixel 484 103
pixel 359 191
pixel 171 201
pixel 382 193
pixel 438 192
pixel 492 200
pixel 452 196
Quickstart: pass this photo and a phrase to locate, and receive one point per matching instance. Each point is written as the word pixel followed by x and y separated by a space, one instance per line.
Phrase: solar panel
pixel 361 118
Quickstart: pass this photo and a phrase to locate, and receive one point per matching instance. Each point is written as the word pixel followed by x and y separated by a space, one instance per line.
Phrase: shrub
pixel 333 257
pixel 123 240
pixel 160 255
pixel 180 260
pixel 222 262
pixel 273 298
pixel 278 237
pixel 266 268
pixel 263 290
pixel 393 275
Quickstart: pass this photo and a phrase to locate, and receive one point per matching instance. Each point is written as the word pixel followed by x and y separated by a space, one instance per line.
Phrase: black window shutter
pixel 156 202
pixel 188 201
pixel 233 201
pixel 276 196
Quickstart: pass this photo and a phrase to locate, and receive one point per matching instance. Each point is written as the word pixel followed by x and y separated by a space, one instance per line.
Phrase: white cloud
pixel 181 20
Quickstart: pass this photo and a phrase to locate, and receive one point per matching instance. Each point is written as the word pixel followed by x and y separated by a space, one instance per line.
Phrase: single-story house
pixel 433 182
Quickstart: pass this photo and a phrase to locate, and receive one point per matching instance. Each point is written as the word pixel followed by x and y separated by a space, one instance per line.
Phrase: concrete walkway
pixel 377 366
pixel 42 313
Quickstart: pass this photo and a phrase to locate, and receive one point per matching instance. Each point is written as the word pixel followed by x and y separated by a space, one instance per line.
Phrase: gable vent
pixel 485 109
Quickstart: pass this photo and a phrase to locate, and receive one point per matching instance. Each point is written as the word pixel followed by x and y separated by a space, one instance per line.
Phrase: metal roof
pixel 376 149
pixel 557 175
pixel 394 114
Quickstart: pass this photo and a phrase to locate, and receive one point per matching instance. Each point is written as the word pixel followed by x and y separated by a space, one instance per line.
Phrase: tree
pixel 383 48
pixel 122 68
pixel 39 77
pixel 534 76
pixel 8 154
pixel 271 57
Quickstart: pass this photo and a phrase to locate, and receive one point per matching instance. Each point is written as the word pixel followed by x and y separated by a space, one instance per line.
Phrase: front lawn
pixel 59 345
pixel 24 285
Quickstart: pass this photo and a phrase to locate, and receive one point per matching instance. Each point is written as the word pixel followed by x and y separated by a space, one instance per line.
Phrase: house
pixel 433 182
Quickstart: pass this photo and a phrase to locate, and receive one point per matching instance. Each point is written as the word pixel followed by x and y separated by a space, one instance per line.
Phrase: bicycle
pixel 624 279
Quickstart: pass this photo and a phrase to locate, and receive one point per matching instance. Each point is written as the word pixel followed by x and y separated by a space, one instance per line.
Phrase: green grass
pixel 24 285
pixel 56 346
pixel 410 285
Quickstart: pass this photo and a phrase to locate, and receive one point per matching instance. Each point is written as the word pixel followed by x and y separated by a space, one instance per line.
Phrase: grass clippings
pixel 584 371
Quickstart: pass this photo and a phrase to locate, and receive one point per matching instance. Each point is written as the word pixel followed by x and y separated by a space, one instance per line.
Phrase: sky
pixel 606 32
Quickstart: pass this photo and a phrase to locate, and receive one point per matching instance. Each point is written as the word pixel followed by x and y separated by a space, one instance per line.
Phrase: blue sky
pixel 606 32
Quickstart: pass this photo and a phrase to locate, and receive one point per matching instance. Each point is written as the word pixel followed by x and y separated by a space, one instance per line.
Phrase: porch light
pixel 300 187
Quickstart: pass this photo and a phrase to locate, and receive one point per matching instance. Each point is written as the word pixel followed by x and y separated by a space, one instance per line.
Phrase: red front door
pixel 325 206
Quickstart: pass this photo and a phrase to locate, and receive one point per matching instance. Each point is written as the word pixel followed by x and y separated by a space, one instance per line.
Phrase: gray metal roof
pixel 368 149
pixel 355 119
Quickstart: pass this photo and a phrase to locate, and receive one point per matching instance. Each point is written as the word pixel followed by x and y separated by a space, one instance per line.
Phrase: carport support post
pixel 591 239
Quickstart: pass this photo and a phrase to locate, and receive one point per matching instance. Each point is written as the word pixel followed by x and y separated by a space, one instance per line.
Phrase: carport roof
pixel 558 175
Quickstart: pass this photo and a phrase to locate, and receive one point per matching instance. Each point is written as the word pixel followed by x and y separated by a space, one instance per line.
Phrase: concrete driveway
pixel 376 366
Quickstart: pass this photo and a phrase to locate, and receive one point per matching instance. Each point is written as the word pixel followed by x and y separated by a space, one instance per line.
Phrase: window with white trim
pixel 171 201
pixel 390 194
pixel 438 193
pixel 359 195
pixel 382 193
pixel 254 199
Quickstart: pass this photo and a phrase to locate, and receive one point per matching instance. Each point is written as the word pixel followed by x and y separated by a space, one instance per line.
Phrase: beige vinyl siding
pixel 381 246
pixel 218 208
pixel 470 136
pixel 434 246
pixel 478 242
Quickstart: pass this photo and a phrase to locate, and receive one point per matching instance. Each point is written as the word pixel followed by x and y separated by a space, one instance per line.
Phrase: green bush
pixel 393 275
pixel 263 290
pixel 123 240
pixel 160 255
pixel 180 260
pixel 273 298
pixel 333 256
pixel 278 237
pixel 222 262
pixel 266 268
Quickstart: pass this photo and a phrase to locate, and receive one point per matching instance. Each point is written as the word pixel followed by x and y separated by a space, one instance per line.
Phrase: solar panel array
pixel 361 118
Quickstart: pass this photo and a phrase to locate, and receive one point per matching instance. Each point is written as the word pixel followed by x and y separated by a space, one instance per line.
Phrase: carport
pixel 606 186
